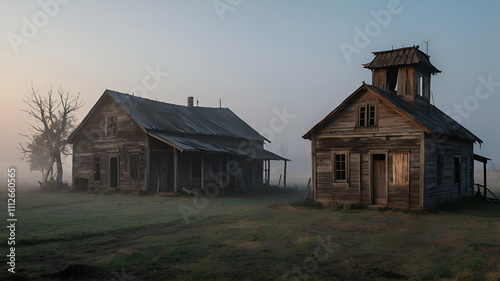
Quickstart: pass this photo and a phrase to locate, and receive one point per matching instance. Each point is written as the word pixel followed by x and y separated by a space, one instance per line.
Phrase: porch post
pixel 202 171
pixel 220 171
pixel 175 170
pixel 284 175
pixel 484 178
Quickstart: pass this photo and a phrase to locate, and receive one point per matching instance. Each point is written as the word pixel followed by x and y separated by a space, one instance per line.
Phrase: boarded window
pixel 367 116
pixel 111 125
pixel 134 165
pixel 340 167
pixel 440 168
pixel 97 168
pixel 400 168
pixel 457 169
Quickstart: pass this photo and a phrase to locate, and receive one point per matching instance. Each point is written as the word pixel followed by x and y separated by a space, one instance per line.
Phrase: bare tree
pixel 53 121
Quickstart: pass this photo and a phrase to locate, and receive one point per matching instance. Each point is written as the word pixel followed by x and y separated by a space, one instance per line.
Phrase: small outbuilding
pixel 387 145
pixel 133 143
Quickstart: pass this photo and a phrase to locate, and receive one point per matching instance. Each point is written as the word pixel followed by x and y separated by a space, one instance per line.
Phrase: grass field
pixel 73 236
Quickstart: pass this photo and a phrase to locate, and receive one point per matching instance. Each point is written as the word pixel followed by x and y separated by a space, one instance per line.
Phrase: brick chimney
pixel 190 101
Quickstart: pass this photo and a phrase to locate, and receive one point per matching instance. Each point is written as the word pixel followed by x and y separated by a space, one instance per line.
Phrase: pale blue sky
pixel 262 55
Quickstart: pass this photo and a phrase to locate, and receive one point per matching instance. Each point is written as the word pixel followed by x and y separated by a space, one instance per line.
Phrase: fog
pixel 258 57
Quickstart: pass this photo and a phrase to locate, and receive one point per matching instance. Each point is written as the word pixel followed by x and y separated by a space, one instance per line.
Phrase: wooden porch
pixel 482 190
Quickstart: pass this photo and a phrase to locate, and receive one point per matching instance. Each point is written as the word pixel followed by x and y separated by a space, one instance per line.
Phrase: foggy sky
pixel 260 57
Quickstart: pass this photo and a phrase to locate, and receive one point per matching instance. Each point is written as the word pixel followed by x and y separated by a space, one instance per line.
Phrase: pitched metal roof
pixel 188 128
pixel 172 118
pixel 402 57
pixel 195 143
pixel 433 120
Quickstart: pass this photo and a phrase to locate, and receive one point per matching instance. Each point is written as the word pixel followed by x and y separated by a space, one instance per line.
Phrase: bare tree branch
pixel 53 117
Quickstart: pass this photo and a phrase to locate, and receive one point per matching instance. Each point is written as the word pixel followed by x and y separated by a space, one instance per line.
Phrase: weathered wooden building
pixel 386 144
pixel 132 143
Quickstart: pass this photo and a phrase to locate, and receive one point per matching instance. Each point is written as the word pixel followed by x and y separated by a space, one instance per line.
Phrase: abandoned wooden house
pixel 133 143
pixel 387 145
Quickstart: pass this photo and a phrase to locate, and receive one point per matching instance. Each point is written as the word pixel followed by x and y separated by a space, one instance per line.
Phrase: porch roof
pixel 199 144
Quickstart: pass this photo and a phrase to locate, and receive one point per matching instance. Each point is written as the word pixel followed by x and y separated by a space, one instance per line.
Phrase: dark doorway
pixel 165 167
pixel 113 172
pixel 379 179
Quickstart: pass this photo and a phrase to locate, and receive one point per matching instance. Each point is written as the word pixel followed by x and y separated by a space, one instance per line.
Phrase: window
pixel 134 165
pixel 457 169
pixel 362 116
pixel 371 115
pixel 340 167
pixel 400 168
pixel 111 125
pixel 97 167
pixel 367 116
pixel 440 168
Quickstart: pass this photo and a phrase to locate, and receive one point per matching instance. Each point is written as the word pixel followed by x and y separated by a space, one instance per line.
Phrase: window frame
pixel 366 110
pixel 345 153
pixel 108 117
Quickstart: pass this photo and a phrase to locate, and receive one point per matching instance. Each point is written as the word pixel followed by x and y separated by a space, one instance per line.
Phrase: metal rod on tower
pixel 427 46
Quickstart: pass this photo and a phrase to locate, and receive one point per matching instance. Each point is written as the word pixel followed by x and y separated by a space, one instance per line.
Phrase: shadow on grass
pixel 473 206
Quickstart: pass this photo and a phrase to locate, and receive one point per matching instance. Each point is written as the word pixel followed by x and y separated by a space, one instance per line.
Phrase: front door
pixel 379 180
pixel 113 172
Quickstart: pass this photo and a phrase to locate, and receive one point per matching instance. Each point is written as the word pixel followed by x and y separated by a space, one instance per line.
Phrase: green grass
pixel 256 237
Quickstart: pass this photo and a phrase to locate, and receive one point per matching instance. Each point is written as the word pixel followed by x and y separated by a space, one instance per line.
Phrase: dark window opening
pixel 440 168
pixel 97 168
pixel 134 165
pixel 457 170
pixel 113 172
pixel 392 79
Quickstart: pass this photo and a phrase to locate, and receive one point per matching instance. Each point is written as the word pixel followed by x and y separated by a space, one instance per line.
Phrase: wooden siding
pixel 448 191
pixel 92 140
pixel 393 133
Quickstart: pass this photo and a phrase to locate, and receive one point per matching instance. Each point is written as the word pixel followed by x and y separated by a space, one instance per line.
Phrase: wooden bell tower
pixel 406 72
